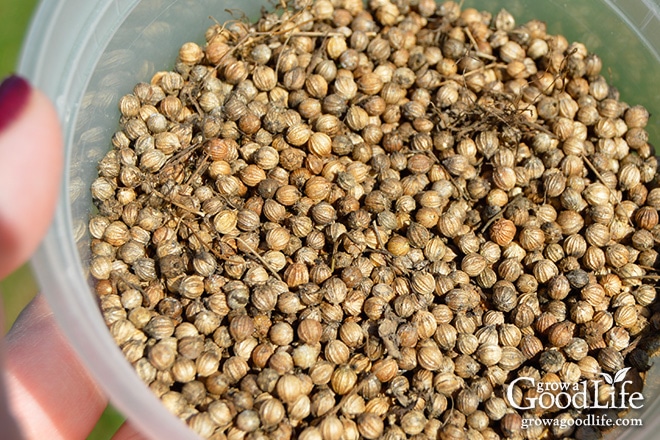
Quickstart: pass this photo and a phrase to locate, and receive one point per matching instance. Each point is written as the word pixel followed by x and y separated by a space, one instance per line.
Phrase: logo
pixel 562 395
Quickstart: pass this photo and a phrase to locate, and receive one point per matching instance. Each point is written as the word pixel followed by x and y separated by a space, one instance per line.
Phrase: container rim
pixel 83 27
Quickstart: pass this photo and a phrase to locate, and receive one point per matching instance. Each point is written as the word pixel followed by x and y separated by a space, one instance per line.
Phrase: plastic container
pixel 86 54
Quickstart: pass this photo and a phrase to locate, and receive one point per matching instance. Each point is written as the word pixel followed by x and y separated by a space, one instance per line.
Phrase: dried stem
pixel 356 389
pixel 178 205
pixel 598 175
pixel 632 346
pixel 182 155
pixel 476 47
pixel 475 71
pixel 259 257
pixel 500 214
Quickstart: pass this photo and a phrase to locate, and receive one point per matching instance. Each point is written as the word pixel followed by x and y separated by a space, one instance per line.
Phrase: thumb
pixel 31 158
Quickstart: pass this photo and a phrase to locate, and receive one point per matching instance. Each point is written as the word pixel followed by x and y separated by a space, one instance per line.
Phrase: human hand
pixel 45 391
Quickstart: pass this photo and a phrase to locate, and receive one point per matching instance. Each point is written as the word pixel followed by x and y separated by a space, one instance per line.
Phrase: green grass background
pixel 20 287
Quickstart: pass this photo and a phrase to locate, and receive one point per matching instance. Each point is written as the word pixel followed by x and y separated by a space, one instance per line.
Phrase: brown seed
pixel 221 149
pixel 281 334
pixel 610 359
pixel 287 195
pixel 370 425
pixel 545 270
pixel 560 334
pixel 190 53
pixel 646 217
pixel 423 283
pixel 530 346
pixel 336 351
pixel 419 164
pixel 502 231
pixel 504 178
pixel 351 334
pixel 597 194
pixel 162 355
pixel 413 422
pixel 252 175
pixel 343 380
pixel 398 245
pixel 296 274
pixel 192 286
pixel 317 188
pixel 298 134
pixel 277 238
pixel 271 412
pixel 626 316
pixel 473 264
pixel 356 118
pixel 531 238
pixel 310 331
pixel 288 388
pixel 225 221
pixel 429 356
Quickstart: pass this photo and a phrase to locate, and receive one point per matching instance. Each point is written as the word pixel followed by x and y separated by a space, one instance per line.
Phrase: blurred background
pixel 20 287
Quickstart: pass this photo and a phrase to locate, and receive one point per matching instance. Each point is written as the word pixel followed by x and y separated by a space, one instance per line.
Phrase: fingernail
pixel 14 93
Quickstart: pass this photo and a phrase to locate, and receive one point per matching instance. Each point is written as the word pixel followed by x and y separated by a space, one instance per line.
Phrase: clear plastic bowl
pixel 86 54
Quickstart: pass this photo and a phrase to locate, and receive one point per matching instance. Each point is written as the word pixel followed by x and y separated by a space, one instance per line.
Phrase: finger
pixel 50 393
pixel 30 167
pixel 128 432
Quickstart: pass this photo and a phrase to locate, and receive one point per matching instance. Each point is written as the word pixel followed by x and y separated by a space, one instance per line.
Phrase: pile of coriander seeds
pixel 352 221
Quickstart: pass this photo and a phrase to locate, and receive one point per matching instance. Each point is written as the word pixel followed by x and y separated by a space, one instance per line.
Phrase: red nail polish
pixel 14 93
